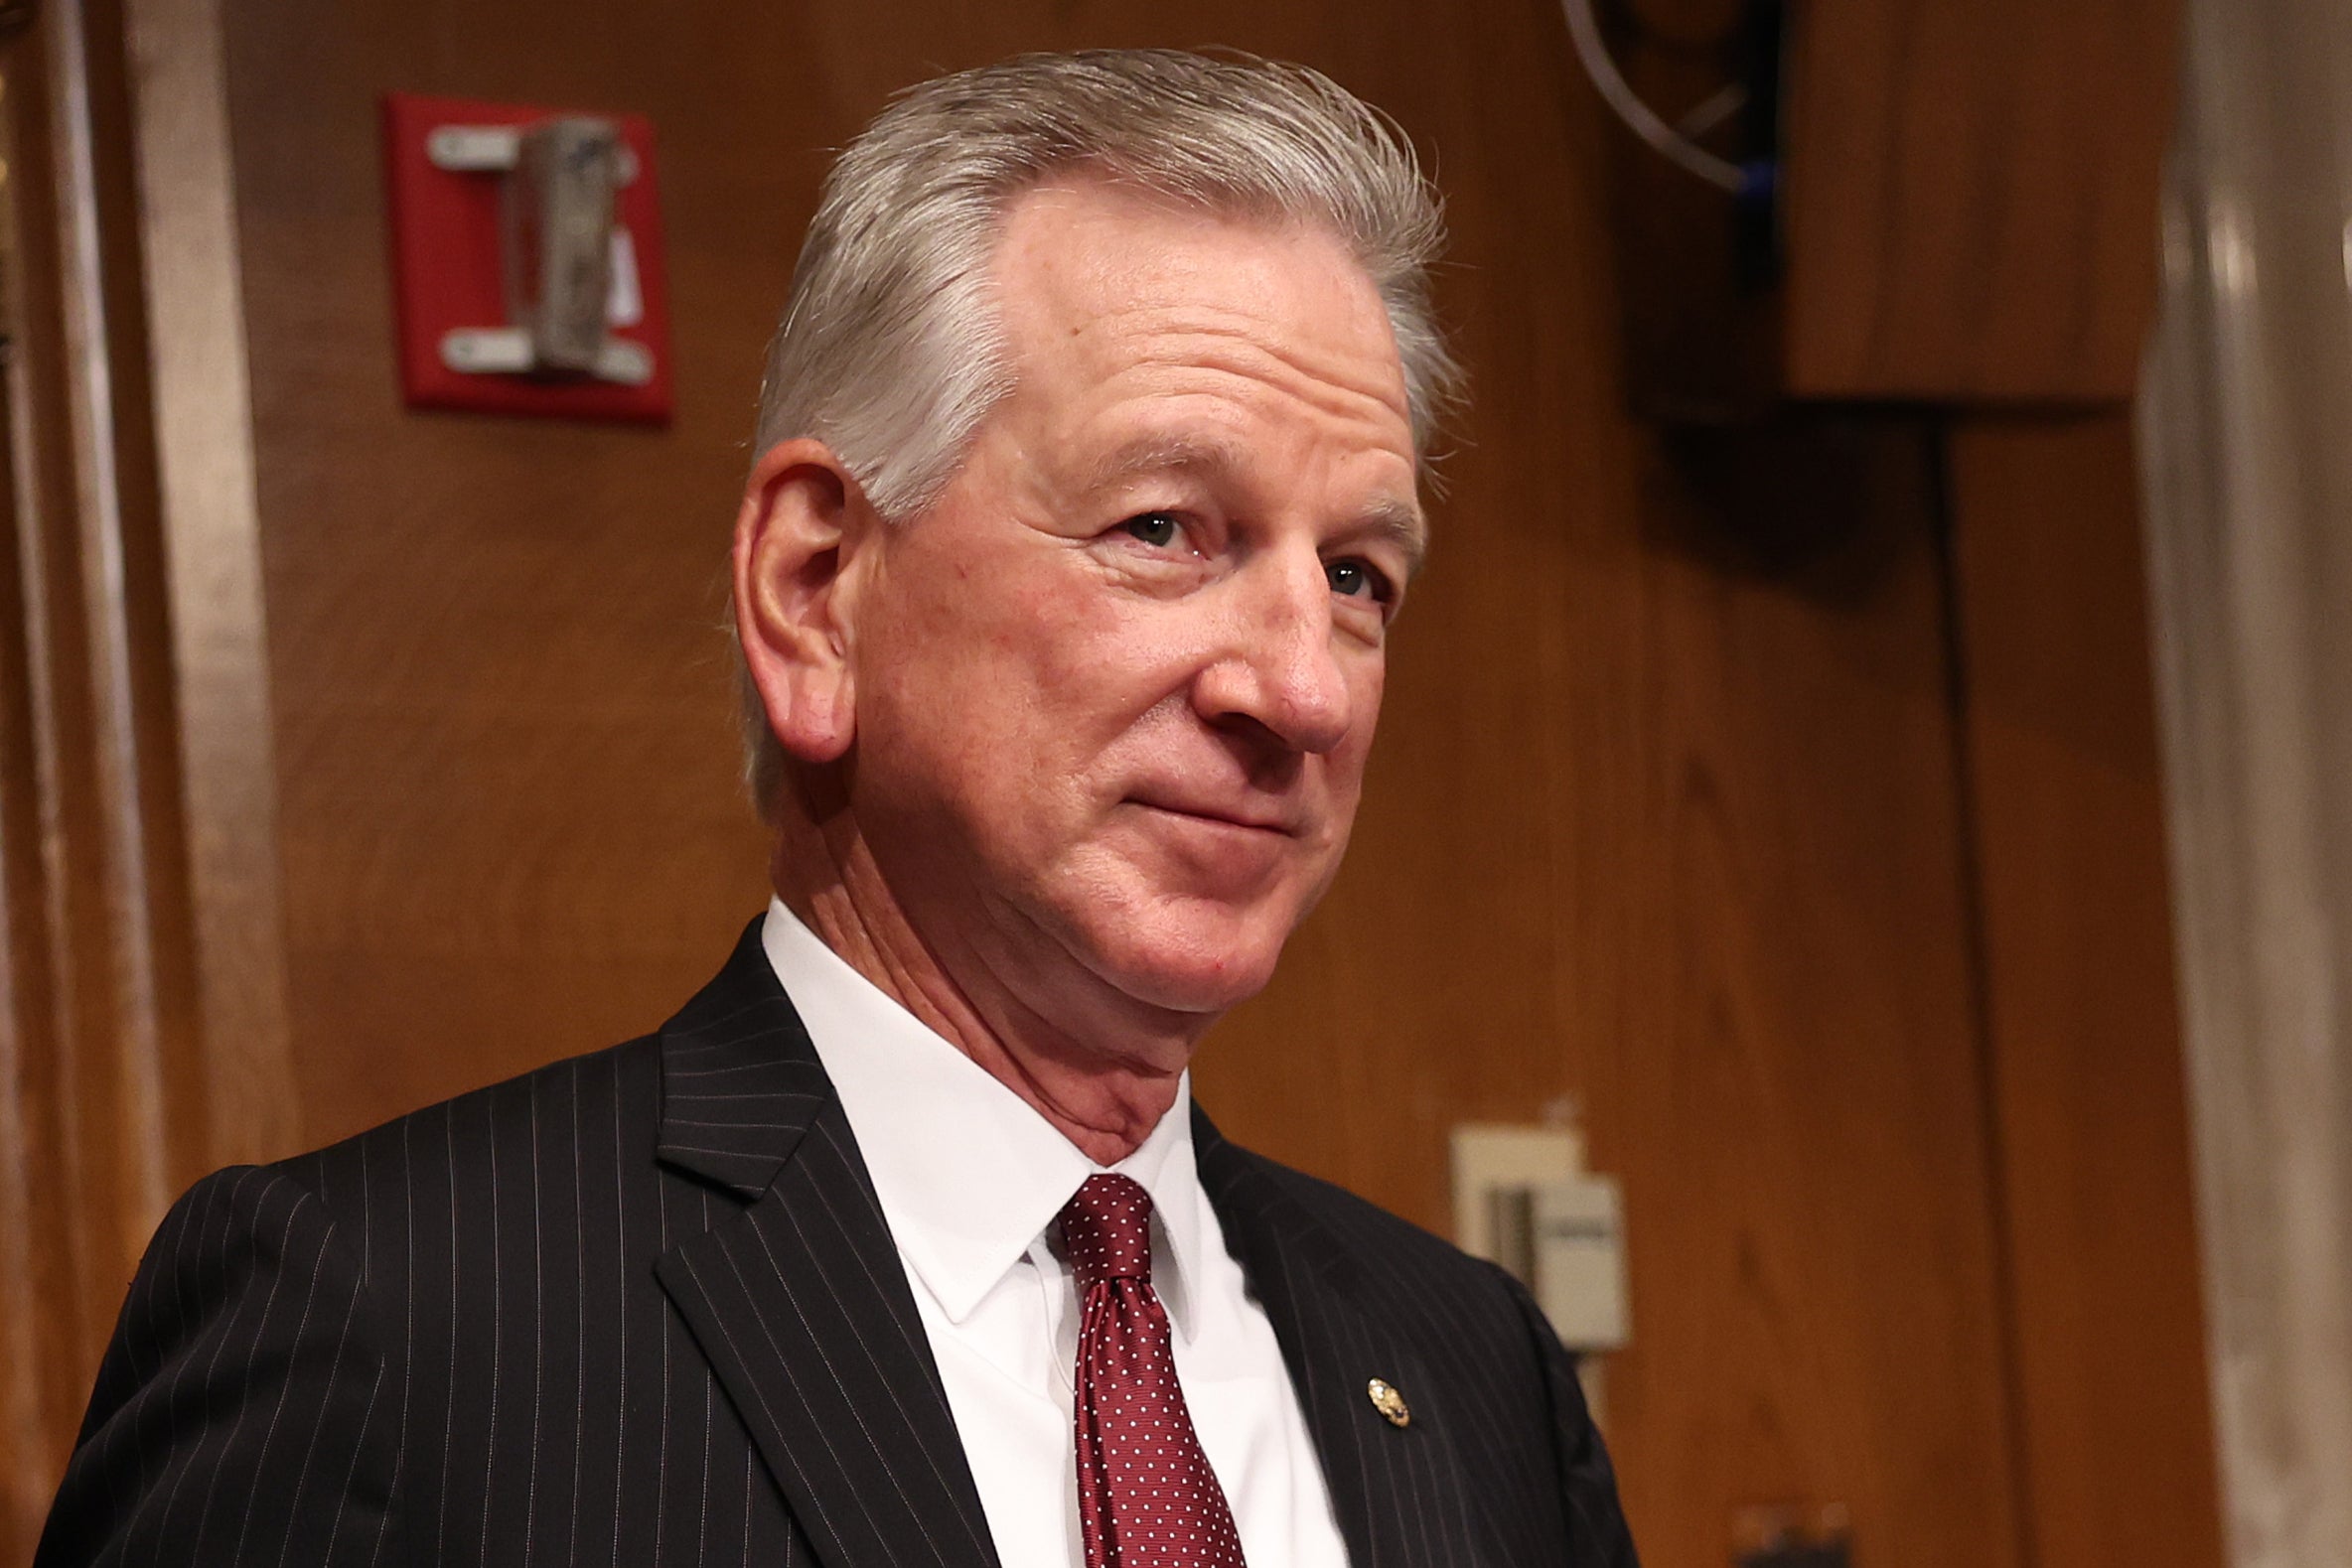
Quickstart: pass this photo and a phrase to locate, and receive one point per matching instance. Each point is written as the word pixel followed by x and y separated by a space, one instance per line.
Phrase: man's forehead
pixel 1091 266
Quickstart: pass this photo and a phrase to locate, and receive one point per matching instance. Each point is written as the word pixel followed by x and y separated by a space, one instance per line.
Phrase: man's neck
pixel 1103 1087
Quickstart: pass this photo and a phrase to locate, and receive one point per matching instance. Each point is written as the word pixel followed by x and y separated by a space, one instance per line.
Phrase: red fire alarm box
pixel 526 260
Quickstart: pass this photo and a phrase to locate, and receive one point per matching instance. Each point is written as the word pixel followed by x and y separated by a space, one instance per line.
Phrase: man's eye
pixel 1155 528
pixel 1351 578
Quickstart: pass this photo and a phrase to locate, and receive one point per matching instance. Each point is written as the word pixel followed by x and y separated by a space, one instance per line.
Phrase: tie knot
pixel 1106 1230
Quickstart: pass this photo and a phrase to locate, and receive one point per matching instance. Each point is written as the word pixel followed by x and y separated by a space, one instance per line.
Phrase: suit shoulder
pixel 460 1144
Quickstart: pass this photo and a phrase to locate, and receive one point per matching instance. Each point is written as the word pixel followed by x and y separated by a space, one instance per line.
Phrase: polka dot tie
pixel 1146 1496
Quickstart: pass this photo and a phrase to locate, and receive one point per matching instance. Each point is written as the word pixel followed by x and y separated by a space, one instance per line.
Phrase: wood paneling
pixel 1696 286
pixel 121 1083
pixel 1971 196
pixel 210 564
pixel 82 1175
pixel 2094 1172
pixel 504 719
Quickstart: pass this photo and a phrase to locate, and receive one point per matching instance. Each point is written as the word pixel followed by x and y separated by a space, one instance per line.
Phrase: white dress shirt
pixel 971 1180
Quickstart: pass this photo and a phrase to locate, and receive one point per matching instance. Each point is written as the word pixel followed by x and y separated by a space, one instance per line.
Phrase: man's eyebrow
pixel 1393 520
pixel 1399 523
pixel 1162 455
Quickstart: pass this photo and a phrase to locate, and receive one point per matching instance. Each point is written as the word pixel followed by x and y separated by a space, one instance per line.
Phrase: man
pixel 1086 495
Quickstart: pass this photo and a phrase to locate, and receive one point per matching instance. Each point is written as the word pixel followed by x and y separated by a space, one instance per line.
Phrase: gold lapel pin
pixel 1388 1401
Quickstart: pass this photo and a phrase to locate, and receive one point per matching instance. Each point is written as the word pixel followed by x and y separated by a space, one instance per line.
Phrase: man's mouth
pixel 1256 820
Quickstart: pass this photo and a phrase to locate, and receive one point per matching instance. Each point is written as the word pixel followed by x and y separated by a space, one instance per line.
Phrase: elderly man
pixel 1085 498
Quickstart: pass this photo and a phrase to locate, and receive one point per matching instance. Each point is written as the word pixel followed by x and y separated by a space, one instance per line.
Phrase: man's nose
pixel 1281 670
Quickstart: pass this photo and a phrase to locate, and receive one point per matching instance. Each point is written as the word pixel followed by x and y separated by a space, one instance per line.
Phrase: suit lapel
pixel 799 1299
pixel 1397 1492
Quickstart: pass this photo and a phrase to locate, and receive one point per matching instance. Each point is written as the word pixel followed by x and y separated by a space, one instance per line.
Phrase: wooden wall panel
pixel 1971 196
pixel 119 1081
pixel 207 537
pixel 504 724
pixel 2087 1074
pixel 1788 1077
pixel 62 1204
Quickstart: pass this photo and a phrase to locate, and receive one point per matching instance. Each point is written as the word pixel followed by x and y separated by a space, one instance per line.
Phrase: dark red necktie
pixel 1146 1496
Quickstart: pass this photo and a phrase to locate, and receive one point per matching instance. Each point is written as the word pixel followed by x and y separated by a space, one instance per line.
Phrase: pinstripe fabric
pixel 641 1307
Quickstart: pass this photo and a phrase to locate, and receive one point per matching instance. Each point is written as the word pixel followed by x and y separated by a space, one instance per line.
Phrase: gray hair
pixel 889 351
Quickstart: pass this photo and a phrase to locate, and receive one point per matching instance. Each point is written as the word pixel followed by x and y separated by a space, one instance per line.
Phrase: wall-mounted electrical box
pixel 1524 1199
pixel 1793 1536
pixel 526 260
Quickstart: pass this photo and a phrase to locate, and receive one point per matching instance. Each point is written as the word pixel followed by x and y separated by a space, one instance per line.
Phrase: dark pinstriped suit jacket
pixel 641 1308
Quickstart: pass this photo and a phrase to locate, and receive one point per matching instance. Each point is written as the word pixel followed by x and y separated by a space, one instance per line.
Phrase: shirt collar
pixel 969 1175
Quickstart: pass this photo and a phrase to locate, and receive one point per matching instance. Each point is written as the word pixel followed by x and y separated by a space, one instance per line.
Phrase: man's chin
pixel 1194 966
pixel 1202 995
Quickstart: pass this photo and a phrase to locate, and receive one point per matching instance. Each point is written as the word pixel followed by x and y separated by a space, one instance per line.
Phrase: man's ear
pixel 802 516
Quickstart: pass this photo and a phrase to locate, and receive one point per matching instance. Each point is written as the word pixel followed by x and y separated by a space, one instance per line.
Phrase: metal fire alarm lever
pixel 558 178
